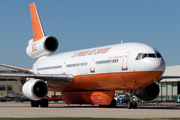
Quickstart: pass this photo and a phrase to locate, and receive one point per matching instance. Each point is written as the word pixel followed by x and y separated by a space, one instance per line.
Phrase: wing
pixel 28 70
pixel 52 79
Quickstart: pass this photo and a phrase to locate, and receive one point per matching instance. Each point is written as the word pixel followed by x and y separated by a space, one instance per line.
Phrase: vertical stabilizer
pixel 36 24
pixel 40 45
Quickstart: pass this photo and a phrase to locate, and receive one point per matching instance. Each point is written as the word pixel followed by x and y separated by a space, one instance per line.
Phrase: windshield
pixel 149 55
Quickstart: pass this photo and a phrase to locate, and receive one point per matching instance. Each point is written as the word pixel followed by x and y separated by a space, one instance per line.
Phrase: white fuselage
pixel 118 58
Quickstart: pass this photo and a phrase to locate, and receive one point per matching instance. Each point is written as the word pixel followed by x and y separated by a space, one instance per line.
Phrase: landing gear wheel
pixel 102 106
pixel 134 105
pixel 34 103
pixel 44 103
pixel 129 104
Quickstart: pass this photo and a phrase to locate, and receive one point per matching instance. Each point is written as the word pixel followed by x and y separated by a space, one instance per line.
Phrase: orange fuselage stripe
pixel 111 81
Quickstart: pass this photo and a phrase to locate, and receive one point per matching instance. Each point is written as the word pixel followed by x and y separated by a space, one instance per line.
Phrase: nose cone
pixel 157 64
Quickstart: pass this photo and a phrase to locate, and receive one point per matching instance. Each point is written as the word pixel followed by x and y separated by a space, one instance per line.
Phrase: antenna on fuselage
pixel 121 42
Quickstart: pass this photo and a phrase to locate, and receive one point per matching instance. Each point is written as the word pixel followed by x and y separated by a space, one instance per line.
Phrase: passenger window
pixel 139 56
pixel 144 56
pixel 152 55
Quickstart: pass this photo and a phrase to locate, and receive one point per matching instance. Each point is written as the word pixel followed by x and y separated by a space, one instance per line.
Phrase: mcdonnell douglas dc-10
pixel 88 76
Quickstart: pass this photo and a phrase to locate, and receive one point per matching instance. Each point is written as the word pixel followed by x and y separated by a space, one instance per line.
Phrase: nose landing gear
pixel 131 103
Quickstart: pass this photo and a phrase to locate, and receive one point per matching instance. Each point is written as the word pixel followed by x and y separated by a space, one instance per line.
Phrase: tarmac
pixel 24 110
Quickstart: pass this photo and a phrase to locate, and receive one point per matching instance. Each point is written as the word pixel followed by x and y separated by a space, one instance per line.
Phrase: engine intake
pixel 35 89
pixel 51 44
pixel 149 92
pixel 42 47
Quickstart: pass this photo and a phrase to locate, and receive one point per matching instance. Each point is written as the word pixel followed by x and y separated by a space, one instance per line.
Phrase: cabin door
pixel 125 61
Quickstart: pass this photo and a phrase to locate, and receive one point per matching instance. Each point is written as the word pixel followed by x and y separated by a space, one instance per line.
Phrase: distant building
pixel 170 87
pixel 8 85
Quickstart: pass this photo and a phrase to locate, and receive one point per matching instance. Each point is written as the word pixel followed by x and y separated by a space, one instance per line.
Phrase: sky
pixel 80 24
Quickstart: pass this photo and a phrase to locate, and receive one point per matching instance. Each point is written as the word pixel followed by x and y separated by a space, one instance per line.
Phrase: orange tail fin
pixel 36 24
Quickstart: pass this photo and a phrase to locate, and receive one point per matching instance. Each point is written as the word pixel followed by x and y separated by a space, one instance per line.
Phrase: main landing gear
pixel 131 103
pixel 42 103
pixel 113 104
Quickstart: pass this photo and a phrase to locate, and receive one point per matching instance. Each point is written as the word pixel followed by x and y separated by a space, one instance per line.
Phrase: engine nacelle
pixel 35 89
pixel 42 47
pixel 149 92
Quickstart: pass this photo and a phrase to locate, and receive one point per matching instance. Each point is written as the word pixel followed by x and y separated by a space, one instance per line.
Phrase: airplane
pixel 88 76
pixel 16 96
pixel 3 97
pixel 13 96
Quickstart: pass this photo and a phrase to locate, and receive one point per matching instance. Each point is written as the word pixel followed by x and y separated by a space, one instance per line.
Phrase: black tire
pixel 44 103
pixel 129 104
pixel 102 106
pixel 113 104
pixel 34 103
pixel 134 105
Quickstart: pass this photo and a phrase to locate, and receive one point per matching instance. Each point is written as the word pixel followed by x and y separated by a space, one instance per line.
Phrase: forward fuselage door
pixel 92 66
pixel 125 61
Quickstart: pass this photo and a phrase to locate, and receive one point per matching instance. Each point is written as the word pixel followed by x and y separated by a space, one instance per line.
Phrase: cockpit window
pixel 144 55
pixel 149 55
pixel 152 55
pixel 158 55
pixel 139 56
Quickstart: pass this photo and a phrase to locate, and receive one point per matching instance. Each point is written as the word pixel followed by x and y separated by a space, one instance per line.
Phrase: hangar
pixel 170 87
pixel 8 85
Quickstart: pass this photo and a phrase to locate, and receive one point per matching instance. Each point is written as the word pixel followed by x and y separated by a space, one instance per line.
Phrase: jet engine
pixel 149 92
pixel 35 89
pixel 42 47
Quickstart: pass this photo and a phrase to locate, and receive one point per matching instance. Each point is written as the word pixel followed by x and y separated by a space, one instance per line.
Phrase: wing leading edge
pixel 52 79
pixel 27 70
